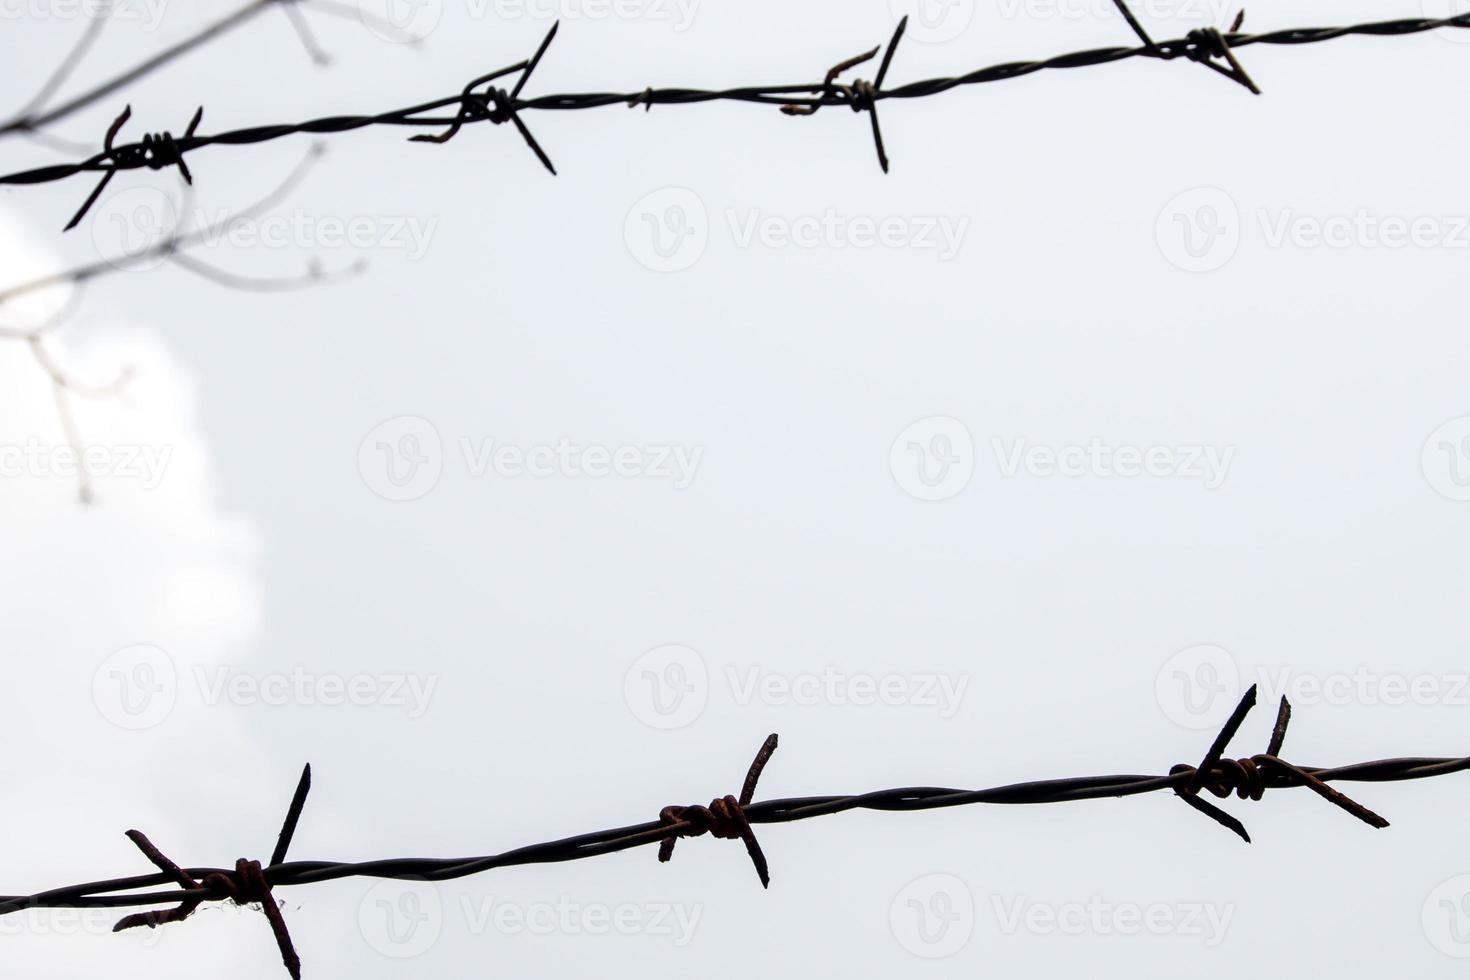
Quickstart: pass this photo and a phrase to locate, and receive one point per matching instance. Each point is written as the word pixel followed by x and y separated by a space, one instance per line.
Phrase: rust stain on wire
pixel 728 817
pixel 483 101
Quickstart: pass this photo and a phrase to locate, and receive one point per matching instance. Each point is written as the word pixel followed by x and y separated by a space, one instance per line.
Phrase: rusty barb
pixel 246 885
pixel 728 818
pixel 1250 778
pixel 724 818
pixel 1207 46
pixel 860 96
pixel 482 101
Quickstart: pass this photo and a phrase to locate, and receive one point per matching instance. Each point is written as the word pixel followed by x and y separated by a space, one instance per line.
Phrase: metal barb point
pixel 1250 778
pixel 496 105
pixel 248 884
pixel 155 151
pixel 725 818
pixel 860 96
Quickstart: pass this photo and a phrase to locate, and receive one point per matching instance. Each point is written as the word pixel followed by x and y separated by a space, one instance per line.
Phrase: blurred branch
pixel 34 116
pixel 70 62
pixel 174 247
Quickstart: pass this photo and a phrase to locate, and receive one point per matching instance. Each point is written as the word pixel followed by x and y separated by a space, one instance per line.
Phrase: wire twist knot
pixel 1246 778
pixel 1206 46
pixel 155 151
pixel 860 95
pixel 724 818
pixel 496 105
pixel 246 885
pixel 1206 43
pixel 1250 778
pixel 493 106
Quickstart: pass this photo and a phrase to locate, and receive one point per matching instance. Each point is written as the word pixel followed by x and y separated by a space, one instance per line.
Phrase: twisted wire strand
pixel 249 882
pixel 481 102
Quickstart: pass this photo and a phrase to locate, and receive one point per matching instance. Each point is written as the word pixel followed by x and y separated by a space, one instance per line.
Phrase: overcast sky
pixel 1124 390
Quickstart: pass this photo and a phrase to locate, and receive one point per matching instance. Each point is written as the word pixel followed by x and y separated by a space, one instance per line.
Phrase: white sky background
pixel 1328 554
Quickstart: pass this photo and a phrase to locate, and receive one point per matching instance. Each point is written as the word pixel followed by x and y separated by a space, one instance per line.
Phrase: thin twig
pixel 174 248
pixel 33 117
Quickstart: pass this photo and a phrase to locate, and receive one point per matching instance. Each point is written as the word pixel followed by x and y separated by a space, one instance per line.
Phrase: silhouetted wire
pixel 728 817
pixel 483 101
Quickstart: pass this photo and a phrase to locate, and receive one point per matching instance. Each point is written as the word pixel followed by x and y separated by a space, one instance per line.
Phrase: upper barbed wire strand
pixel 497 106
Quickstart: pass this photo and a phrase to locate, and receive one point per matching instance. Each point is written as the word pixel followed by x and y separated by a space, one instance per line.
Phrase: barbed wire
pixel 729 818
pixel 482 101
